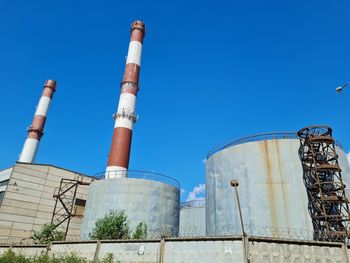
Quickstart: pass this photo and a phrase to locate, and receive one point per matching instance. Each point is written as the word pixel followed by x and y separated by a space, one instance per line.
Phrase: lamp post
pixel 234 183
pixel 340 88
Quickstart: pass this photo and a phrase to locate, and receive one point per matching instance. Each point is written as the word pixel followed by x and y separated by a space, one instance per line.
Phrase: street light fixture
pixel 340 88
pixel 234 183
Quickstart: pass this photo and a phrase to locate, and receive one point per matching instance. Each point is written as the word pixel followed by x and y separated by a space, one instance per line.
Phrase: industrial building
pixel 287 182
pixel 35 194
pixel 27 200
pixel 271 187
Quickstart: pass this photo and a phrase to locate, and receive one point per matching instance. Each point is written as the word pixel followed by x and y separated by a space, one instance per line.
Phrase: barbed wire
pixel 17 241
pixel 219 231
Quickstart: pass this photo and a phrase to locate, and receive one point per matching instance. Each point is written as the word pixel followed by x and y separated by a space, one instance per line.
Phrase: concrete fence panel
pixel 29 251
pixel 194 250
pixel 82 249
pixel 131 252
pixel 3 250
pixel 204 251
pixel 270 252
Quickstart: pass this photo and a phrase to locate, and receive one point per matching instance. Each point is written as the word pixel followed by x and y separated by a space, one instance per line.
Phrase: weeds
pixel 10 257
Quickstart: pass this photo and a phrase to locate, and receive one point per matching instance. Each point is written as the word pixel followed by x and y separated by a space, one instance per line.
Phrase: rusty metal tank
pixel 271 189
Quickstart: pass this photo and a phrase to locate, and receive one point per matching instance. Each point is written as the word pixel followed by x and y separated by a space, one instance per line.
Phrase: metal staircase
pixel 328 204
pixel 65 196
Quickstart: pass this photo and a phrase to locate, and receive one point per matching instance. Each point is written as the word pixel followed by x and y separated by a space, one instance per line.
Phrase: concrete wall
pixel 208 250
pixel 28 201
pixel 155 203
pixel 271 190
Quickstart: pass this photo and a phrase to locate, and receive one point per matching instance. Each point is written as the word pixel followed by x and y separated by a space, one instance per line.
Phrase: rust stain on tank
pixel 283 182
pixel 270 184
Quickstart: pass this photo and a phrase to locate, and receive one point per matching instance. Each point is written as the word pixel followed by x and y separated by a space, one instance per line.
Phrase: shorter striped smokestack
pixel 36 130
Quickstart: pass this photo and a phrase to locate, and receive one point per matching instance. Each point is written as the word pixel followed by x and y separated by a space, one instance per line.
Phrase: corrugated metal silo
pixel 145 197
pixel 272 192
pixel 192 218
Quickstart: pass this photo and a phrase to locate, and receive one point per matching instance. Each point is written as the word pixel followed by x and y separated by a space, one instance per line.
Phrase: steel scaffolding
pixel 328 204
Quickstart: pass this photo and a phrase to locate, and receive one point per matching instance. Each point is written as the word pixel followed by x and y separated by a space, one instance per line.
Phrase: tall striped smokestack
pixel 36 130
pixel 125 117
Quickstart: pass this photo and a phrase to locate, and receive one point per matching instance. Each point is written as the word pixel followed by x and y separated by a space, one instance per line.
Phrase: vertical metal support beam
pixel 71 209
pixel 234 184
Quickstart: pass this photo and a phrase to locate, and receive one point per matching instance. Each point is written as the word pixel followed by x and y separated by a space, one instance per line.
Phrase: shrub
pixel 108 258
pixel 10 257
pixel 115 225
pixel 48 233
pixel 140 231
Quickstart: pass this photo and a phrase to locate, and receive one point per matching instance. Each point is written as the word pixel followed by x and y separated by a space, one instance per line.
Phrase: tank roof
pixel 137 174
pixel 193 203
pixel 259 137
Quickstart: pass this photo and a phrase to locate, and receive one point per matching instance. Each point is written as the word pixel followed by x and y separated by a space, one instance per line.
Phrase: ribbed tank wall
pixel 344 165
pixel 271 188
pixel 192 221
pixel 155 203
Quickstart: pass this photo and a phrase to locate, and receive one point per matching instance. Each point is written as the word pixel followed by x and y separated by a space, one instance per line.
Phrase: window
pixel 4 183
pixel 79 206
pixel 1 196
pixel 80 202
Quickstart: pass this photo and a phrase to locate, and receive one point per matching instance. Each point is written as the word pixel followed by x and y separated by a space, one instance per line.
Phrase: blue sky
pixel 212 71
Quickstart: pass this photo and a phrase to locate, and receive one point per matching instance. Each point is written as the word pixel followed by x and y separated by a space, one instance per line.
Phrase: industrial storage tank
pixel 271 189
pixel 144 196
pixel 192 218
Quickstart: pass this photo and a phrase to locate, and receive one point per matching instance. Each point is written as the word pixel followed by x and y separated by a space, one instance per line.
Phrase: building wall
pixel 155 203
pixel 28 202
pixel 271 188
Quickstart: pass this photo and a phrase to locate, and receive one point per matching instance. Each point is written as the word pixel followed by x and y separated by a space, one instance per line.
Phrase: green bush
pixel 140 231
pixel 115 225
pixel 10 257
pixel 48 233
pixel 108 258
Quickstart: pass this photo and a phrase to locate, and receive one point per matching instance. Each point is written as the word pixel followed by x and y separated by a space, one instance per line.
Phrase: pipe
pixel 36 129
pixel 125 117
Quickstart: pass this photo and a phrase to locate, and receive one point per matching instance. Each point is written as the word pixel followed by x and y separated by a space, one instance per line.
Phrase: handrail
pixel 260 137
pixel 193 203
pixel 137 174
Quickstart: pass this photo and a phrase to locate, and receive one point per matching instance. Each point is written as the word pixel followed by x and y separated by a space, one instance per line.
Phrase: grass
pixel 10 257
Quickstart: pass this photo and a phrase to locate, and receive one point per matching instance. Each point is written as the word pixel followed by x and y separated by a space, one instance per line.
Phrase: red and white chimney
pixel 125 117
pixel 36 130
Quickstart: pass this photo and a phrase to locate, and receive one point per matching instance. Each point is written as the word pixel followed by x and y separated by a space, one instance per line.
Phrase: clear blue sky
pixel 212 71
